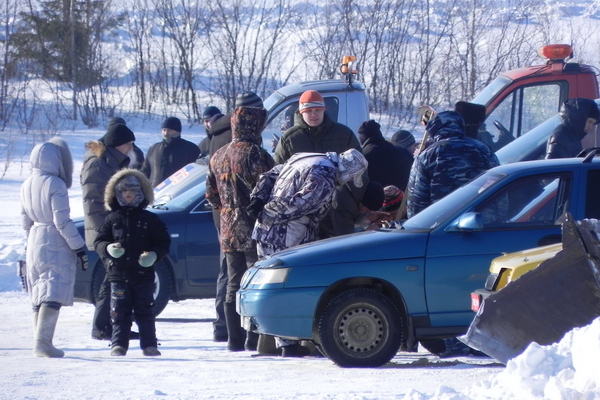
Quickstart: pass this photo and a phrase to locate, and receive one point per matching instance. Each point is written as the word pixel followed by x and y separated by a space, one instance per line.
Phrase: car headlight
pixel 265 276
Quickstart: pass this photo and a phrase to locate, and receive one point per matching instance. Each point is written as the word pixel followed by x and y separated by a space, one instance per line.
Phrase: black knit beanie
pixel 248 99
pixel 373 196
pixel 117 135
pixel 369 128
pixel 172 123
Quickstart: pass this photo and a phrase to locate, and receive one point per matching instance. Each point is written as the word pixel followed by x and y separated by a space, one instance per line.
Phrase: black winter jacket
pixel 565 140
pixel 388 165
pixel 164 159
pixel 138 230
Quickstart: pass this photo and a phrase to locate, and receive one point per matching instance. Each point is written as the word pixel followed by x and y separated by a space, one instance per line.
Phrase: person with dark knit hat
pixel 405 140
pixel 392 198
pixel 577 117
pixel 220 129
pixel 207 115
pixel 169 155
pixel 473 115
pixel 103 158
pixel 387 164
pixel 136 156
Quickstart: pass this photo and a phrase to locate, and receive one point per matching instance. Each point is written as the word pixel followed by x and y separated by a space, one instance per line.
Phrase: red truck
pixel 522 98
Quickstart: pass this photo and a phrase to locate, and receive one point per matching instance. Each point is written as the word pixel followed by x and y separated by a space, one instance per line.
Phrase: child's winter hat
pixel 392 198
pixel 117 135
pixel 311 99
pixel 403 138
pixel 129 182
pixel 172 123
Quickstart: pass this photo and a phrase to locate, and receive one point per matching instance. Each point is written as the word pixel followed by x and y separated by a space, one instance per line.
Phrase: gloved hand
pixel 147 259
pixel 115 250
pixel 255 207
pixel 83 257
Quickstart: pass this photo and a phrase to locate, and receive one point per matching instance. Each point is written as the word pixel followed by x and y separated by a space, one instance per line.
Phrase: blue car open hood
pixel 358 247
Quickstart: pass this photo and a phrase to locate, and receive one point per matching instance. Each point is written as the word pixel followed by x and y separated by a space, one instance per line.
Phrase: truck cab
pixel 346 101
pixel 520 99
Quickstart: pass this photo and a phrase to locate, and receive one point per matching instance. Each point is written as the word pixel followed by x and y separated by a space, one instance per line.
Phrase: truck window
pixel 525 108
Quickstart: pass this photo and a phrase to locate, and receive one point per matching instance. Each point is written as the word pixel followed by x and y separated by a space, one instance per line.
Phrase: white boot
pixel 46 324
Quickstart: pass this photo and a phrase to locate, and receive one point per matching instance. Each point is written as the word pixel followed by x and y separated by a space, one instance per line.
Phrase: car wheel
pixel 163 286
pixel 360 328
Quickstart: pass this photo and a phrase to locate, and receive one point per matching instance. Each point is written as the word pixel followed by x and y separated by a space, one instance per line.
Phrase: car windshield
pixel 185 199
pixel 492 90
pixel 187 177
pixel 440 211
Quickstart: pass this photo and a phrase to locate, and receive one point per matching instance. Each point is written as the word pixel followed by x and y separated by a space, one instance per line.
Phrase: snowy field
pixel 193 367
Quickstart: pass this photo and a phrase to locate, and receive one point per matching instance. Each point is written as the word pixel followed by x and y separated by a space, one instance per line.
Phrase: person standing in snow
pixel 577 118
pixel 204 144
pixel 290 201
pixel 451 161
pixel 233 172
pixel 220 129
pixel 102 160
pixel 136 155
pixel 53 242
pixel 169 155
pixel 132 240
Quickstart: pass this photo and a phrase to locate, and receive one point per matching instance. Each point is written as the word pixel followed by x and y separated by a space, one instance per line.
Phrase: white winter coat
pixel 51 234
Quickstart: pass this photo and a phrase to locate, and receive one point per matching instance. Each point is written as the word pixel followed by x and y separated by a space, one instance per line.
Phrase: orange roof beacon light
pixel 349 68
pixel 556 52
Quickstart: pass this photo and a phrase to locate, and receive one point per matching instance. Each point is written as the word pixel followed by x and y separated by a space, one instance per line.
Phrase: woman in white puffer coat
pixel 53 243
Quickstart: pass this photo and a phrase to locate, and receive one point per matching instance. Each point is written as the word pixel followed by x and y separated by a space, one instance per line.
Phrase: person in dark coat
pixel 136 155
pixel 131 240
pixel 387 164
pixel 102 160
pixel 220 129
pixel 404 140
pixel 233 172
pixel 207 115
pixel 577 116
pixel 473 115
pixel 451 161
pixel 53 242
pixel 169 155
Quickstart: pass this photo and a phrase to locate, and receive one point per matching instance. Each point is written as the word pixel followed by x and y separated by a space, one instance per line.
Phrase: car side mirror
pixel 470 221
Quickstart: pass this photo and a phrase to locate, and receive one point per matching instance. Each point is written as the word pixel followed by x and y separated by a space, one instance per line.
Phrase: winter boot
pixel 236 334
pixel 46 324
pixel 251 341
pixel 266 346
pixel 151 351
pixel 118 351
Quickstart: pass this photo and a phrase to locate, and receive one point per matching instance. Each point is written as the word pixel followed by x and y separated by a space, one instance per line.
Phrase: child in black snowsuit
pixel 132 239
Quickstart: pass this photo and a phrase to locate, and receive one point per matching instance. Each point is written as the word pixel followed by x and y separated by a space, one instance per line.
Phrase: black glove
pixel 255 207
pixel 83 257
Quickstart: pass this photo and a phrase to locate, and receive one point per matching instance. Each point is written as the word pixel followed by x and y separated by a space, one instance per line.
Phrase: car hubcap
pixel 360 329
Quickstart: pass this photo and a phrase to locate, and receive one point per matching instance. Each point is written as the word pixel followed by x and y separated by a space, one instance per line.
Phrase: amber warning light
pixel 556 51
pixel 349 65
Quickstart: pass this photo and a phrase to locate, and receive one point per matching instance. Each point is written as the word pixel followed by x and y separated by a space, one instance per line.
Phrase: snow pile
pixel 564 370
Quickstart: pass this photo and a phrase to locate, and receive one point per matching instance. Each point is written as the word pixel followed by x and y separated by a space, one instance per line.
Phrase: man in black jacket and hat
pixel 169 155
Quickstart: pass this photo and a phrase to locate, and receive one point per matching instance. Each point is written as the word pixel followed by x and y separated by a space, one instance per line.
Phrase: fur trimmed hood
pixel 110 195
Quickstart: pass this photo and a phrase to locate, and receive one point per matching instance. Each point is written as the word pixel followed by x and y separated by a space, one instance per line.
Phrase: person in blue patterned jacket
pixel 451 161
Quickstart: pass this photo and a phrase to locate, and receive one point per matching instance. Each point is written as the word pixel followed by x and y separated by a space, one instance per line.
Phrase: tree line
pixel 65 61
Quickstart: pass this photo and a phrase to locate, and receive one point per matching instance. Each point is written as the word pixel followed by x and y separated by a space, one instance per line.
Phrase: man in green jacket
pixel 314 131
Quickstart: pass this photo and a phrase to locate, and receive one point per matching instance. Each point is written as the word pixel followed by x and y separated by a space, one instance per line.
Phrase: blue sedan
pixel 362 297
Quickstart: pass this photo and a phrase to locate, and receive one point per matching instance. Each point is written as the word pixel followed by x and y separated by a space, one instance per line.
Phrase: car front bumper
pixel 287 313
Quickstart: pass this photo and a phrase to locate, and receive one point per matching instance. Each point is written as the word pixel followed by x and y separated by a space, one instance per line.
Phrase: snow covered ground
pixel 193 367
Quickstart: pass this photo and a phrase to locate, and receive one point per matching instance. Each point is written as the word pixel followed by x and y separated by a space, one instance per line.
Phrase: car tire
pixel 434 346
pixel 360 328
pixel 163 284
